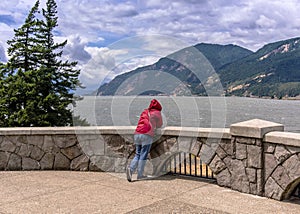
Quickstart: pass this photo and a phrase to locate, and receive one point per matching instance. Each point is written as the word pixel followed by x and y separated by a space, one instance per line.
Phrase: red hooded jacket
pixel 143 126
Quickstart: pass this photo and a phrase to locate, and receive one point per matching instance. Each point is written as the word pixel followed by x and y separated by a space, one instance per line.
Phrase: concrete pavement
pixel 96 192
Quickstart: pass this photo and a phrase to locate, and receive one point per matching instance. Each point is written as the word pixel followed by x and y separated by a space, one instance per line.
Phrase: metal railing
pixel 188 165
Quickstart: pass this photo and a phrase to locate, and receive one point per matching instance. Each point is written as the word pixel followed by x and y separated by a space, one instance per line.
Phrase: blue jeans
pixel 142 148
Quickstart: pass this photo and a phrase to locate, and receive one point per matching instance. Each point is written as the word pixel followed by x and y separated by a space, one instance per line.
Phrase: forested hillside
pixel 272 71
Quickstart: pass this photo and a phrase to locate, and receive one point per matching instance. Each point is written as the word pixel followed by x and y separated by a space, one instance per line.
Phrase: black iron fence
pixel 189 165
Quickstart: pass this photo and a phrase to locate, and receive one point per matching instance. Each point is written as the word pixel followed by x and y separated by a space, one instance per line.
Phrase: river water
pixel 206 112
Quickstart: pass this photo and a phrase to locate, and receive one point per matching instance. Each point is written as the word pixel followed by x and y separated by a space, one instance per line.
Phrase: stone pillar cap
pixel 255 128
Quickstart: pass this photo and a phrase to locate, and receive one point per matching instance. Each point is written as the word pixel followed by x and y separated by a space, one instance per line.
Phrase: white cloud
pixel 90 26
pixel 265 22
pixel 75 49
pixel 151 3
pixel 99 67
pixel 125 55
pixel 114 19
pixel 162 45
pixel 6 33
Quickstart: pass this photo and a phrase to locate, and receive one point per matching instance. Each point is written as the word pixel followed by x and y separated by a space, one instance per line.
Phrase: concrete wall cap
pixel 67 130
pixel 127 130
pixel 197 132
pixel 285 138
pixel 255 128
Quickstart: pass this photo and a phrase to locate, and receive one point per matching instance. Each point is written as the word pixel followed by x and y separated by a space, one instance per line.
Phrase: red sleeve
pixel 159 121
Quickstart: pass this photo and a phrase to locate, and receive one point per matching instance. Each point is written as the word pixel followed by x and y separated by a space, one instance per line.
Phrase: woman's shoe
pixel 129 174
pixel 142 177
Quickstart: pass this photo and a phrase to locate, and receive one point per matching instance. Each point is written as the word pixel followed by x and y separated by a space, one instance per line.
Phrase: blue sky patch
pixel 7 19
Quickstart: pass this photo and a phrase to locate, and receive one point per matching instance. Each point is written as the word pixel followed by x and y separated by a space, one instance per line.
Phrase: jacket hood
pixel 155 105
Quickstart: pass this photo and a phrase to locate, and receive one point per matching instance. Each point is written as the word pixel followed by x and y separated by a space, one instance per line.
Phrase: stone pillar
pixel 247 164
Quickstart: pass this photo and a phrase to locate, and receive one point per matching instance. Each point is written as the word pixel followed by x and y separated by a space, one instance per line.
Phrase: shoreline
pixel 256 97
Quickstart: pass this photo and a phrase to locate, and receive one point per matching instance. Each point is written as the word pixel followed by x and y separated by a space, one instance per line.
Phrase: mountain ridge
pixel 272 70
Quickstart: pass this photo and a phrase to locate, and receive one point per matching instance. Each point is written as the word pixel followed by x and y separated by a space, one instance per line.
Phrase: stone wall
pixel 64 148
pixel 254 156
pixel 282 164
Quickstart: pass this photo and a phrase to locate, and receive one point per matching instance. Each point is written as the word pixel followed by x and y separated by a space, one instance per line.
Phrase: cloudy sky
pixel 109 37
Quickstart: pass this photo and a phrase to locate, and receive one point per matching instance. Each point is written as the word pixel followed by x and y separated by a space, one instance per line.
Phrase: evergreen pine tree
pixel 37 87
pixel 59 79
pixel 16 82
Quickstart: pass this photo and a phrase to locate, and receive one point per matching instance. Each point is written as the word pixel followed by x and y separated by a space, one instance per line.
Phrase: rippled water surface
pixel 215 112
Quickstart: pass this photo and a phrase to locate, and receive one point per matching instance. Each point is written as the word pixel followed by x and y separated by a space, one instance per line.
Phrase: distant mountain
pixel 175 74
pixel 272 71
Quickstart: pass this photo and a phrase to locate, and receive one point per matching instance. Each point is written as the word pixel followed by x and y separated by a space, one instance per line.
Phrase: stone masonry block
pixel 272 189
pixel 49 146
pixel 258 142
pixel 293 149
pixel 281 153
pixel 115 151
pixel 246 140
pixel 30 164
pixel 292 167
pixel 156 152
pixel 270 164
pixel 196 148
pixel 185 144
pixel 269 148
pixel 80 163
pixel 61 162
pixel 14 163
pixel 239 178
pixel 47 161
pixel 7 145
pixel 85 137
pixel 4 157
pixel 25 150
pixel 94 168
pixel 281 177
pixel 206 154
pixel 253 188
pixel 224 178
pixel 251 173
pixel 65 141
pixel 172 144
pixel 114 140
pixel 240 151
pixel 93 147
pixel 221 153
pixel 72 152
pixel 120 165
pixel 254 156
pixel 36 153
pixel 217 165
pixel 37 140
pixel 260 180
pixel 103 163
pixel 226 146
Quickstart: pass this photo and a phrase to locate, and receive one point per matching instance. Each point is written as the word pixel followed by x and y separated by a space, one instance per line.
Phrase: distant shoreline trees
pixel 36 86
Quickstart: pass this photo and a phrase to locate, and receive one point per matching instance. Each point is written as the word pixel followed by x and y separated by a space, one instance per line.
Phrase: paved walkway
pixel 94 192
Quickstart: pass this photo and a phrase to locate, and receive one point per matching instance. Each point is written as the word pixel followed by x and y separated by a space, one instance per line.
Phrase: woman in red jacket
pixel 149 121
